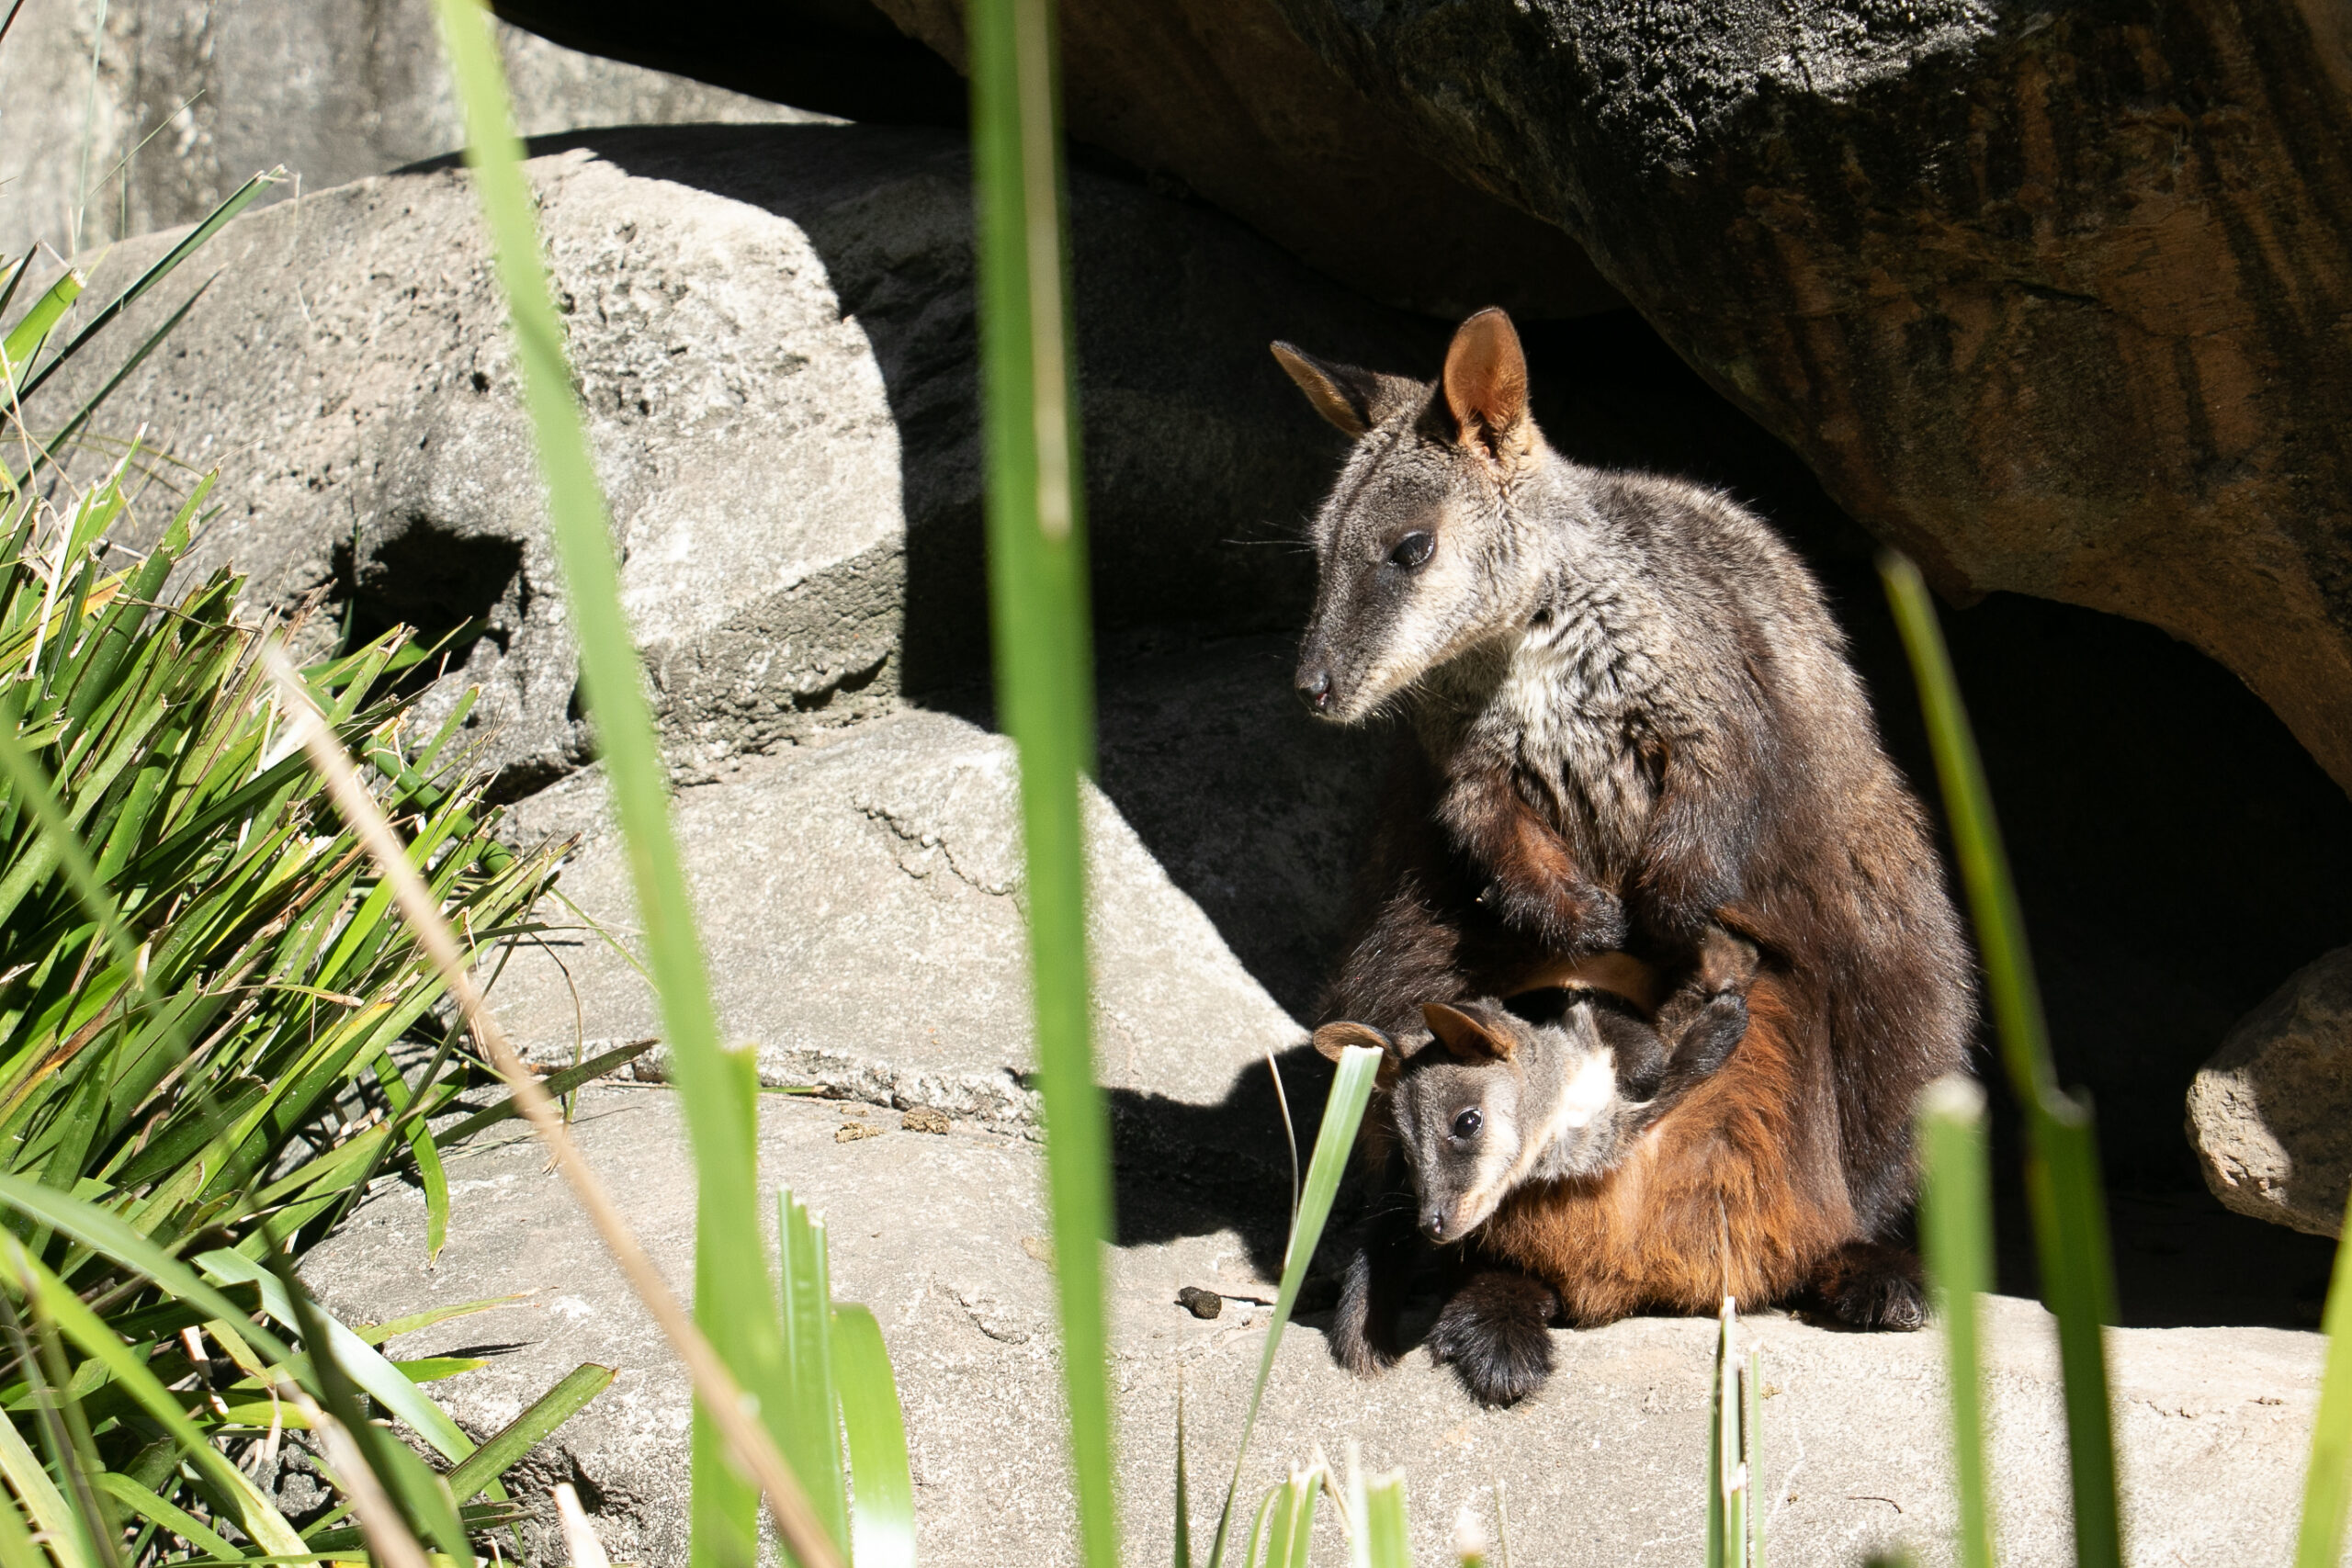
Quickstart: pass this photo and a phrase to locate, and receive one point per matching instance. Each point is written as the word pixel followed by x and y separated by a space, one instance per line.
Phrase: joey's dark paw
pixel 1494 1333
pixel 1868 1285
pixel 1361 1334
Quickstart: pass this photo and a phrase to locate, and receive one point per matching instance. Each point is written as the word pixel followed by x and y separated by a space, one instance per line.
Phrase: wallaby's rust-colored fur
pixel 1735 1159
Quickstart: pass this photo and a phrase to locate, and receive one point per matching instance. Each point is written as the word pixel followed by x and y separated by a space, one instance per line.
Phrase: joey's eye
pixel 1411 551
pixel 1466 1125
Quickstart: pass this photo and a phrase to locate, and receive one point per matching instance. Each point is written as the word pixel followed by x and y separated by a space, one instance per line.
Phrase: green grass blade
pixel 361 1362
pixel 177 1520
pixel 194 240
pixel 556 1084
pixel 1956 1240
pixel 1044 671
pixel 1714 1554
pixel 2062 1184
pixel 17 1548
pixel 511 1443
pixel 734 1300
pixel 423 1497
pixel 806 1423
pixel 109 1234
pixel 2064 1194
pixel 255 1514
pixel 1183 1546
pixel 47 450
pixel 883 1526
pixel 1381 1527
pixel 1342 1114
pixel 2320 1541
pixel 2016 999
pixel 26 1475
pixel 32 329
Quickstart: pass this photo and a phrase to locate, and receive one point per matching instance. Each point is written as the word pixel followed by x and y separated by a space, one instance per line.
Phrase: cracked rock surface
pixel 941 1237
pixel 861 907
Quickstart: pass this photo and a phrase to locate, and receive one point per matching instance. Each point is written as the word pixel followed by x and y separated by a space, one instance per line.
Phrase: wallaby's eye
pixel 1466 1125
pixel 1411 551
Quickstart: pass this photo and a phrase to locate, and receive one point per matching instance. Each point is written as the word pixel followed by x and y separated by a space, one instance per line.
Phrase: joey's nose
pixel 1434 1224
pixel 1314 686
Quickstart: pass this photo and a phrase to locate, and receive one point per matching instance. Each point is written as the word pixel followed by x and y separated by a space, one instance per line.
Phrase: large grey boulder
pixel 771 327
pixel 942 1237
pixel 149 123
pixel 2271 1114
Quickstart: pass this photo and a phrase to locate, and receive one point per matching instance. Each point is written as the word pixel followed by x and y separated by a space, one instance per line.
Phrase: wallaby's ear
pixel 1473 1031
pixel 1349 396
pixel 1485 382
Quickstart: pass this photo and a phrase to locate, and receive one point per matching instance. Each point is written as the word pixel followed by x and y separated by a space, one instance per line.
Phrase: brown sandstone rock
pixel 2058 298
pixel 1223 97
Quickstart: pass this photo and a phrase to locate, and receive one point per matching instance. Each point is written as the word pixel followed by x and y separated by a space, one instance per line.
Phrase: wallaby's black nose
pixel 1314 686
pixel 1434 1224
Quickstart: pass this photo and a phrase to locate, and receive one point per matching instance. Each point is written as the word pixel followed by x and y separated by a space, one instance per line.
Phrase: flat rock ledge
pixel 942 1237
pixel 863 907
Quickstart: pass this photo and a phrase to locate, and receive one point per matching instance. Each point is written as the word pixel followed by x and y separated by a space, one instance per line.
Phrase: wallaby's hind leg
pixel 1496 1333
pixel 1868 1284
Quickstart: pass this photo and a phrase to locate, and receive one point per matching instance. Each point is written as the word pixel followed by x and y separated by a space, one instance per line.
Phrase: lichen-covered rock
pixel 187 98
pixel 2271 1113
pixel 2058 297
pixel 773 330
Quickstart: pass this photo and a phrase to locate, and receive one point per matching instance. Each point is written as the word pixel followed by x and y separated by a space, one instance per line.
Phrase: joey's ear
pixel 1334 1038
pixel 1473 1031
pixel 1349 396
pixel 1485 382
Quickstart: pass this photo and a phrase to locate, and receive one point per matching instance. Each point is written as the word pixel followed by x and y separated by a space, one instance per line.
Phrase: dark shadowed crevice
pixel 450 587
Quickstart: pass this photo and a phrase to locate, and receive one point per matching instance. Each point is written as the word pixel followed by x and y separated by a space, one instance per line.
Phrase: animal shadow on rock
pixel 1184 1170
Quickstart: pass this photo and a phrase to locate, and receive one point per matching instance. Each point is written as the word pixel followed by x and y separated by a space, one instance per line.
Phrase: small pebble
pixel 850 1131
pixel 1038 1247
pixel 925 1119
pixel 1199 1302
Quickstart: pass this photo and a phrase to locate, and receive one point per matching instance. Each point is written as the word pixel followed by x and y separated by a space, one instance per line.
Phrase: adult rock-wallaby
pixel 1629 718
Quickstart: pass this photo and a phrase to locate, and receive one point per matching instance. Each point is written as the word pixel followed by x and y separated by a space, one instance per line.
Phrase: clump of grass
pixel 212 1035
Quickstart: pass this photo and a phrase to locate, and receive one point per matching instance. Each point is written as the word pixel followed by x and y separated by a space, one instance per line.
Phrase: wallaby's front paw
pixel 1495 1334
pixel 1563 918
